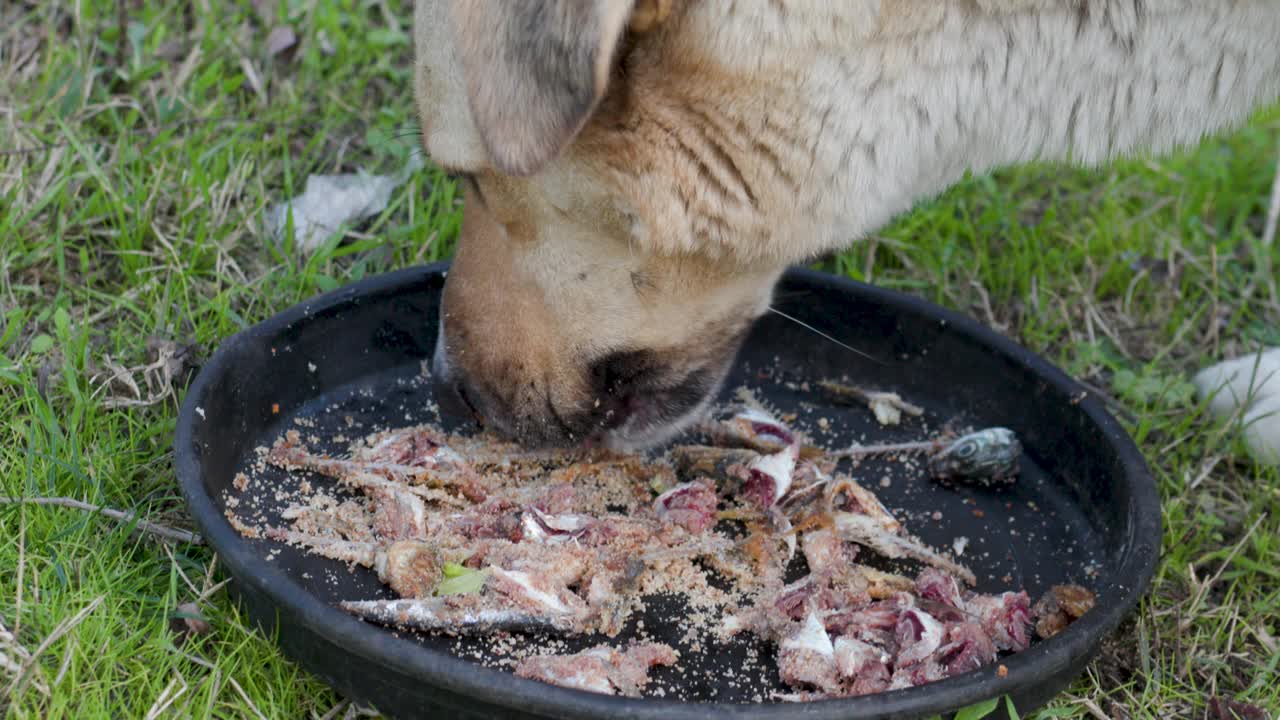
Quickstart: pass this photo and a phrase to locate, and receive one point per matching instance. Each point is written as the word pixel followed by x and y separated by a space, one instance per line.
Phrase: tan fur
pixel 734 137
pixel 530 92
pixel 649 14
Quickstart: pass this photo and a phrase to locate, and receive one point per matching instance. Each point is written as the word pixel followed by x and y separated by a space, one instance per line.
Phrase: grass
pixel 136 160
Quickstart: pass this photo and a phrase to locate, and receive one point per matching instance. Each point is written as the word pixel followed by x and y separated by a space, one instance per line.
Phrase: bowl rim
pixel 502 689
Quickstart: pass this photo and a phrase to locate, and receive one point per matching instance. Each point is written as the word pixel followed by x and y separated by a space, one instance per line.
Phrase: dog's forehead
pixel 449 134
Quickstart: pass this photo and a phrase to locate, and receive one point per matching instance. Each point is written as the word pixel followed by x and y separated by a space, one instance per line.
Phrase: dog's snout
pixel 454 402
pixel 617 372
pixel 450 390
pixel 616 379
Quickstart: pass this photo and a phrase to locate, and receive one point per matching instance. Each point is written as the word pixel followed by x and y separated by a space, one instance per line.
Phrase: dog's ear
pixel 535 69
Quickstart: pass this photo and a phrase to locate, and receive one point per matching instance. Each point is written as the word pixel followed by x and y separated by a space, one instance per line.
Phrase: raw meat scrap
pixel 937 586
pixel 968 648
pixel 601 669
pixel 1005 617
pixel 863 666
pixel 918 635
pixel 691 506
pixel 807 658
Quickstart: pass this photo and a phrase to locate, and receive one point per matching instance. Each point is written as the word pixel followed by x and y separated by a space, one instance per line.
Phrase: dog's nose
pixel 454 403
pixel 619 387
pixel 450 392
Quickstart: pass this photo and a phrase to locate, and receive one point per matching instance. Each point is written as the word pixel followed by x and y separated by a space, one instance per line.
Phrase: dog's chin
pixel 661 416
pixel 646 430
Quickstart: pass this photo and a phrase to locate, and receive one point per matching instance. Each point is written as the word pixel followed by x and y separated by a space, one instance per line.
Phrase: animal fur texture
pixel 639 173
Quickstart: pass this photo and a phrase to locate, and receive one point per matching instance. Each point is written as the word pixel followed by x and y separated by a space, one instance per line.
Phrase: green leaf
pixel 1265 334
pixel 8 371
pixel 167 108
pixel 1010 709
pixel 326 283
pixel 387 37
pixel 137 33
pixel 1150 385
pixel 41 344
pixel 62 321
pixel 977 711
pixel 468 582
pixel 74 95
pixel 453 569
pixel 12 321
pixel 208 78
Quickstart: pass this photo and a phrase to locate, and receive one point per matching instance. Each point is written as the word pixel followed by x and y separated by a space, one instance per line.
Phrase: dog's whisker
pixel 823 335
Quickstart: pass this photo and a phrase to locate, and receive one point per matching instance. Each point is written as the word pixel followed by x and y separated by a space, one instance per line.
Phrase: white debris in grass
pixel 1247 389
pixel 328 202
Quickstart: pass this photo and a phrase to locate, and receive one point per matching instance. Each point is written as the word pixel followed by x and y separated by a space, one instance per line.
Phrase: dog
pixel 639 173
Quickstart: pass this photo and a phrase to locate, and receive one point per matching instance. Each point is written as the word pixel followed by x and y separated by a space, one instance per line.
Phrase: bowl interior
pixel 352 362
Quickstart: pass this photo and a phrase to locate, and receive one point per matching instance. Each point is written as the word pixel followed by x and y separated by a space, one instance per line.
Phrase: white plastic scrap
pixel 1249 385
pixel 329 201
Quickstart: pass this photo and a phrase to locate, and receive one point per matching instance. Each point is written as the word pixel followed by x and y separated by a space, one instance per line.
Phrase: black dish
pixel 1085 509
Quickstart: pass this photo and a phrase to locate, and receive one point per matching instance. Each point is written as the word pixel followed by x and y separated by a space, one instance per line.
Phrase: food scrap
pixel 985 456
pixel 1060 606
pixel 888 407
pixel 601 669
pixel 475 536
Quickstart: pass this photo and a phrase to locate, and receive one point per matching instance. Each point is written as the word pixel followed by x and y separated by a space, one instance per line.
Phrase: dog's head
pixel 639 172
pixel 594 294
